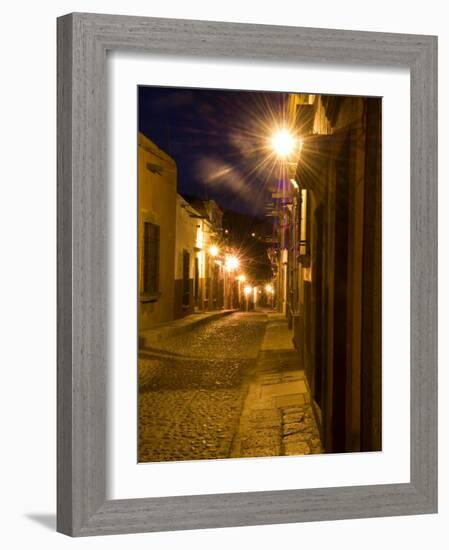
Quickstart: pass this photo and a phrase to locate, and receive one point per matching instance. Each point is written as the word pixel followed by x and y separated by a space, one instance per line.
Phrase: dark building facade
pixel 334 264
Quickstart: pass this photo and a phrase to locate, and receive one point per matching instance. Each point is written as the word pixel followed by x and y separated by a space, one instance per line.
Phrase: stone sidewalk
pixel 277 418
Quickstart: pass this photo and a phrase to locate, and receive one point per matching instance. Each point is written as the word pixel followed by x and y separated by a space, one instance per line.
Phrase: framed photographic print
pixel 247 280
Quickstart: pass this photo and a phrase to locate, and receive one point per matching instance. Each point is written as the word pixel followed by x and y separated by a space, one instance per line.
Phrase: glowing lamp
pixel 283 143
pixel 232 263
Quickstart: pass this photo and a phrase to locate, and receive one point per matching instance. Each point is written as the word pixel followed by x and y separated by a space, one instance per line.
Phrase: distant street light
pixel 232 263
pixel 269 289
pixel 213 251
pixel 247 292
pixel 241 278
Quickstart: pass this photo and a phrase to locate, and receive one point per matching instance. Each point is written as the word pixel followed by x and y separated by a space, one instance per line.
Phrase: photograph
pixel 231 217
pixel 259 274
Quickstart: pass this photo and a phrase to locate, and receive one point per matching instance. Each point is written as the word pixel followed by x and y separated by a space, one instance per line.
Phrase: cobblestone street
pixel 259 274
pixel 228 388
pixel 192 389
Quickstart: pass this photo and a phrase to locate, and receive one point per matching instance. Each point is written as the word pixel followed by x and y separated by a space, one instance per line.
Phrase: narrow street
pixel 259 273
pixel 199 393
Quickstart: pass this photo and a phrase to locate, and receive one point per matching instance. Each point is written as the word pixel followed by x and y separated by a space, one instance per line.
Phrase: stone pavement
pixel 277 417
pixel 155 335
pixel 192 388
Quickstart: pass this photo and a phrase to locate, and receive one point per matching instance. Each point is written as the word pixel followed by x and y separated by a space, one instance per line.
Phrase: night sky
pixel 218 139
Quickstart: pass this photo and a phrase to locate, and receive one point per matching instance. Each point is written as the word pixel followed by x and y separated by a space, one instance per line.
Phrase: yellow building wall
pixel 157 204
pixel 194 234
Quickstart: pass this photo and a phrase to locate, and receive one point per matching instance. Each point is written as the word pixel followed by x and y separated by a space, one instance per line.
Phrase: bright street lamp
pixel 283 143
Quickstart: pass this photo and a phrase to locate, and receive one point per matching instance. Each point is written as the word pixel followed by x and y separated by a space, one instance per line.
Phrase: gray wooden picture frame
pixel 83 40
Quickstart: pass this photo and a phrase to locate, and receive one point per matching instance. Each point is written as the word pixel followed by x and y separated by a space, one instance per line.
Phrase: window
pixel 150 257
